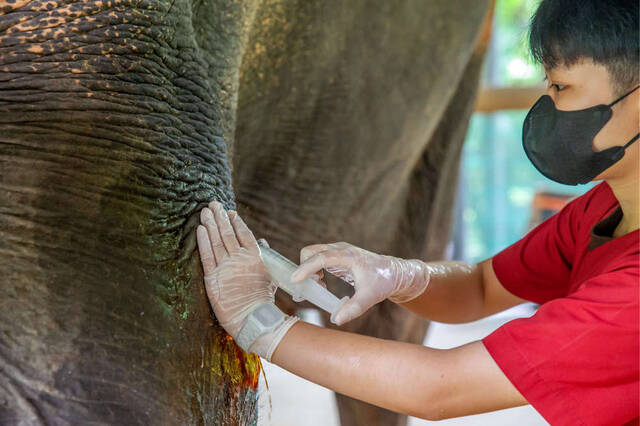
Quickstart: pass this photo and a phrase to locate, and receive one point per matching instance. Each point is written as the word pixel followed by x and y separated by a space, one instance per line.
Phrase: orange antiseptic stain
pixel 252 366
pixel 242 368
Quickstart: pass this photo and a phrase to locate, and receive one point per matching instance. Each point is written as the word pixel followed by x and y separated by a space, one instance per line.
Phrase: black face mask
pixel 559 143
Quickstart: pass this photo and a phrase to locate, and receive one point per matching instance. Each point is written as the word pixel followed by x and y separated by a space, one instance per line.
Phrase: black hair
pixel 562 32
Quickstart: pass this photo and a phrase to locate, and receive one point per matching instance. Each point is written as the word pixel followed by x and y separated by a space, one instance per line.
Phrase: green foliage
pixel 514 64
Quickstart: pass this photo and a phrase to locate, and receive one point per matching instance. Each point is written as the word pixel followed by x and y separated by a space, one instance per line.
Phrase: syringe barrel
pixel 281 269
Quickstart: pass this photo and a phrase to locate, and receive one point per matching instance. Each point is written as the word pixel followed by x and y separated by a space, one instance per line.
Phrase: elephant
pixel 121 119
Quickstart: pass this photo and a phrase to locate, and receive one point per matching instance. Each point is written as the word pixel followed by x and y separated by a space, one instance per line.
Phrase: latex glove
pixel 236 280
pixel 375 277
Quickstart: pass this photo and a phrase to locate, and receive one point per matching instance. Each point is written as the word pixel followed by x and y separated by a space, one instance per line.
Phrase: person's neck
pixel 627 193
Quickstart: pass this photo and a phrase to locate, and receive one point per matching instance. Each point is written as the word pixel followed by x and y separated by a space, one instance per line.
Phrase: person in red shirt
pixel 576 359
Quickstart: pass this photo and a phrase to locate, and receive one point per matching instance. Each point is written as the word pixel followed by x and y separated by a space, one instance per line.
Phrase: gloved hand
pixel 236 280
pixel 376 277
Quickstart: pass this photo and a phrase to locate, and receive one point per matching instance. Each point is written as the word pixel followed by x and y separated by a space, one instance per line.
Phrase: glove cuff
pixel 266 344
pixel 414 287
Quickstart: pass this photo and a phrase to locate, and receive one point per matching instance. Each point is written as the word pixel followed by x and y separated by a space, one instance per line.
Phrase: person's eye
pixel 559 87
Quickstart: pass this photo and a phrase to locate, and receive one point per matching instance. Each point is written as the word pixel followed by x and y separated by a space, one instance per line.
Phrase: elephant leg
pixel 112 127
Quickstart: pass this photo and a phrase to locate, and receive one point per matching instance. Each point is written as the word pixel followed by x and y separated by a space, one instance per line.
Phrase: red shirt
pixel 576 359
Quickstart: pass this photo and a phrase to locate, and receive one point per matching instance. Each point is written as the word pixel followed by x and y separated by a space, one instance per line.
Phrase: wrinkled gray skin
pixel 118 123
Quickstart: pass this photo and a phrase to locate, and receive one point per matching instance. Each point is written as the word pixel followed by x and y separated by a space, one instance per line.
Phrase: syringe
pixel 281 269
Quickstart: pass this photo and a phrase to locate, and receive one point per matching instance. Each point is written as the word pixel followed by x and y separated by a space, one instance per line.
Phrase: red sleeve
pixel 537 267
pixel 576 359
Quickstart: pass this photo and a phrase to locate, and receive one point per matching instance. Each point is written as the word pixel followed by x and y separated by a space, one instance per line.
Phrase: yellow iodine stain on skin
pixel 228 359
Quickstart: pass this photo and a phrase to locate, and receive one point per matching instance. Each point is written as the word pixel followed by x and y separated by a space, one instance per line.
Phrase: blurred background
pixel 500 197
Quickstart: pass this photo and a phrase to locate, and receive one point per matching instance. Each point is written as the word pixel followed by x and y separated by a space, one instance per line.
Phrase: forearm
pixel 398 376
pixel 454 294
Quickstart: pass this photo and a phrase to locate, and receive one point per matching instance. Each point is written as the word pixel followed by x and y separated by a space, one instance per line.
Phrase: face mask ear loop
pixel 632 140
pixel 618 100
pixel 622 97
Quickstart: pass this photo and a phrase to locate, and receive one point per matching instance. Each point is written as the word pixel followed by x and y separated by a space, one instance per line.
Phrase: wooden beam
pixel 491 99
